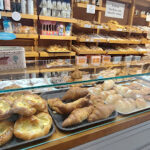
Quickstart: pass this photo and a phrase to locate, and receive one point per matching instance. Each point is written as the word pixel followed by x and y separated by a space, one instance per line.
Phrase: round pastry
pixel 134 86
pixel 111 99
pixel 6 131
pixel 5 109
pixel 112 92
pixel 146 97
pixel 129 94
pixel 27 128
pixel 145 90
pixel 104 94
pixel 140 103
pixel 108 85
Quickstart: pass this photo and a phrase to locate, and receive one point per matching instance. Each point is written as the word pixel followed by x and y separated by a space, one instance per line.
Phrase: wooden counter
pixel 64 141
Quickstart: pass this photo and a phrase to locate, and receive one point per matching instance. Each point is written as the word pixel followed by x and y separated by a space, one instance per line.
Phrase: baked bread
pixel 75 93
pixel 140 103
pixel 95 99
pixel 6 131
pixel 77 116
pixel 111 99
pixel 108 85
pixel 146 97
pixel 134 86
pixel 101 111
pixel 145 90
pixel 105 94
pixel 5 109
pixel 76 74
pixel 27 128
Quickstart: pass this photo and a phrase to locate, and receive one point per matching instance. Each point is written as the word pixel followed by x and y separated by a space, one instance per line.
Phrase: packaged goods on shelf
pixel 81 61
pixel 95 60
pixel 106 59
pixel 117 59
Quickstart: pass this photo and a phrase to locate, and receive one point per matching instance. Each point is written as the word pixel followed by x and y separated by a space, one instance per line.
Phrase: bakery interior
pixel 74 74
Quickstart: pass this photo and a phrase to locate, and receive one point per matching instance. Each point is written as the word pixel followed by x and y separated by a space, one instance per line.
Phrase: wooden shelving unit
pixel 31 54
pixel 27 36
pixel 53 37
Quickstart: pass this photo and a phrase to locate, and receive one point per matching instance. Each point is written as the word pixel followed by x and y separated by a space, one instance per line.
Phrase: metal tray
pixel 58 118
pixel 14 142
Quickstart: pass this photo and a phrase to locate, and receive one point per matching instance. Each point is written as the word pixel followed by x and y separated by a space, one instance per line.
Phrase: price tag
pixel 148 17
pixel 87 26
pixel 99 27
pixel 90 9
pixel 119 29
pixel 0 16
pixel 16 16
pixel 95 60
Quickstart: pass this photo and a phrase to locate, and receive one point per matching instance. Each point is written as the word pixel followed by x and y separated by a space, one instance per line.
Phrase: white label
pixel 114 10
pixel 16 16
pixel 0 16
pixel 90 9
pixel 119 29
pixel 99 27
pixel 148 17
pixel 87 40
pixel 87 26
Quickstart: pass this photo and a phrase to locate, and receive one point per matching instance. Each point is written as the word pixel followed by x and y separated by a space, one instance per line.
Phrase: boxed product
pixel 12 57
pixel 106 58
pixel 117 59
pixel 95 60
pixel 128 58
pixel 81 61
pixel 136 58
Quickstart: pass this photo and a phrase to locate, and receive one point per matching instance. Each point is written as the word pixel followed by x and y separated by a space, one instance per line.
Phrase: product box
pixel 95 60
pixel 106 59
pixel 117 59
pixel 81 61
pixel 12 57
pixel 136 58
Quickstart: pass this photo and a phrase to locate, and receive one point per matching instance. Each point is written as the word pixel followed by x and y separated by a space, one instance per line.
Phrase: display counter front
pixel 65 115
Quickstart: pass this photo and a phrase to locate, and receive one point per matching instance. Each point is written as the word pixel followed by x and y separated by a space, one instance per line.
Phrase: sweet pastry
pixel 76 74
pixel 108 85
pixel 101 111
pixel 5 109
pixel 69 107
pixel 111 99
pixel 94 99
pixel 77 116
pixel 134 86
pixel 145 90
pixel 95 90
pixel 146 97
pixel 75 93
pixel 6 131
pixel 27 128
pixel 140 103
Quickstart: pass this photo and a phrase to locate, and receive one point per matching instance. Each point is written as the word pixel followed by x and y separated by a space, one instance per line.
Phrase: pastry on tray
pixel 6 131
pixel 5 109
pixel 75 93
pixel 77 116
pixel 108 85
pixel 27 128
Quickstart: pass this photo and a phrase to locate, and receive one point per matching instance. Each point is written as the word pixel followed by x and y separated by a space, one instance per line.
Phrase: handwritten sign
pixel 90 9
pixel 114 10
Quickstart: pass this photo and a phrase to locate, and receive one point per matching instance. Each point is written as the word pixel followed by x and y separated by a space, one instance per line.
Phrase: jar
pixel 68 14
pixel 54 4
pixel 48 12
pixel 68 5
pixel 59 7
pixel 54 13
pixel 64 6
pixel 63 14
pixel 49 4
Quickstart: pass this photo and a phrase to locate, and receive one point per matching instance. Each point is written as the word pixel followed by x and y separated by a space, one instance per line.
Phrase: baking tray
pixel 58 119
pixel 14 142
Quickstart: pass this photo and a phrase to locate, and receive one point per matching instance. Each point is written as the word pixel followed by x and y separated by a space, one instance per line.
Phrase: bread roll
pixel 108 85
pixel 111 99
pixel 140 103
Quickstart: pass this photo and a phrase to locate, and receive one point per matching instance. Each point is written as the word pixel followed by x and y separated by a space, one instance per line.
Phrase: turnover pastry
pixel 75 93
pixel 69 107
pixel 101 111
pixel 6 131
pixel 5 109
pixel 27 128
pixel 77 116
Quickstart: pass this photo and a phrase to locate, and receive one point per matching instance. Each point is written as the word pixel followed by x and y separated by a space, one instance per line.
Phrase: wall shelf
pixel 53 37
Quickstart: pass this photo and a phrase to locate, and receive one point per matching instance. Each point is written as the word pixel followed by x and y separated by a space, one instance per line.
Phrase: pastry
pixel 5 109
pixel 77 116
pixel 146 97
pixel 140 103
pixel 95 90
pixel 76 74
pixel 75 93
pixel 145 90
pixel 101 111
pixel 111 99
pixel 108 85
pixel 6 131
pixel 93 99
pixel 134 86
pixel 69 107
pixel 27 128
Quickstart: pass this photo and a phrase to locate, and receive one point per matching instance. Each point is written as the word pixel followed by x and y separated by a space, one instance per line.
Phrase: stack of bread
pixel 125 98
pixel 85 106
pixel 34 120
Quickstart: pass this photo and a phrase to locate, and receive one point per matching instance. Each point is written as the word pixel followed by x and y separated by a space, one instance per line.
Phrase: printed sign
pixel 95 60
pixel 81 60
pixel 90 9
pixel 114 10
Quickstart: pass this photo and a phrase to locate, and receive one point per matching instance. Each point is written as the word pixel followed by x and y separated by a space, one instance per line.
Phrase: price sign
pixel 87 26
pixel 148 17
pixel 95 60
pixel 90 9
pixel 114 10
pixel 16 16
pixel 81 60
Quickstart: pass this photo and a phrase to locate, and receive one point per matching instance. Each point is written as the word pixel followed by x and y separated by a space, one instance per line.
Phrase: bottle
pixel 7 5
pixel 30 7
pixel 18 6
pixel 1 5
pixel 13 6
pixel 23 6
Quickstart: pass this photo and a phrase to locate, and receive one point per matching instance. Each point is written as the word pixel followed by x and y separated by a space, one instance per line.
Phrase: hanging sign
pixel 114 10
pixel 90 9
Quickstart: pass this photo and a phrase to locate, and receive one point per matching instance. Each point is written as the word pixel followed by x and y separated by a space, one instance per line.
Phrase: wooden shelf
pixel 53 37
pixel 125 52
pixel 23 16
pixel 27 36
pixel 57 19
pixel 45 54
pixel 31 54
pixel 82 5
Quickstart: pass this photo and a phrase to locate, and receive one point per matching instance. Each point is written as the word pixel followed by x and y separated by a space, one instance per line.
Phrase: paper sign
pixel 90 9
pixel 95 60
pixel 114 10
pixel 148 17
pixel 16 16
pixel 81 60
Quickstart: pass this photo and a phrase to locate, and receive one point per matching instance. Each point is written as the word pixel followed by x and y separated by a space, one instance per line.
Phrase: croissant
pixel 101 111
pixel 95 99
pixel 75 93
pixel 69 107
pixel 77 116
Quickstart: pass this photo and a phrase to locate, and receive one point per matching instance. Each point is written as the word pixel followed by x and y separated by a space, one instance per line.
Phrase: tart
pixel 27 128
pixel 6 131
